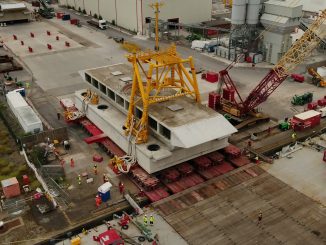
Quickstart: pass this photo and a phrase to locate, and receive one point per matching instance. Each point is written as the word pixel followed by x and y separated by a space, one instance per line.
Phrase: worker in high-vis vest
pixel 145 220
pixel 151 220
pixel 79 179
pixel 294 136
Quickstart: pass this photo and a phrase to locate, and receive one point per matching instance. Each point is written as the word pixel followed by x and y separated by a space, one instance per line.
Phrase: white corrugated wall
pixel 131 14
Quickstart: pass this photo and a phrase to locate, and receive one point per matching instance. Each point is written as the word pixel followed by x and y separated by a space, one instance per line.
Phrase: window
pixel 102 88
pixel 111 94
pixel 119 100
pixel 95 83
pixel 88 78
pixel 139 113
pixel 152 123
pixel 165 132
pixel 127 105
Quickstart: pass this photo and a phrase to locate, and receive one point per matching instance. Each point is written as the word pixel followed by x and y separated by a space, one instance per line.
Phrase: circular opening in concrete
pixel 153 147
pixel 102 107
pixel 84 94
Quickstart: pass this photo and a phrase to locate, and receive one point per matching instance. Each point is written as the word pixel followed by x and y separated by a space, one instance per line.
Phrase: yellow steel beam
pixel 302 47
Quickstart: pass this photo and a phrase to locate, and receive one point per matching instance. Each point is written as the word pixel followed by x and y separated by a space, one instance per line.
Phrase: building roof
pixel 9 182
pixel 313 5
pixel 16 99
pixel 12 6
pixel 307 114
pixel 275 18
pixel 28 115
pixel 105 187
pixel 288 3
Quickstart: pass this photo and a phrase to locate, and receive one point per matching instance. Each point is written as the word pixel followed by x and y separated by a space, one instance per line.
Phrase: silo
pixel 253 12
pixel 238 16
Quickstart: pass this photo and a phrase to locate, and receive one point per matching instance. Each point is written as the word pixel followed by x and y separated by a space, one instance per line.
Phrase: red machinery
pixel 236 106
pixel 124 221
pixel 110 237
pixel 297 78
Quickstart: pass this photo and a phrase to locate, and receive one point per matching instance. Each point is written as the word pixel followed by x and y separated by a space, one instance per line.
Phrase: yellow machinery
pixel 317 79
pixel 227 3
pixel 130 47
pixel 91 97
pixel 158 76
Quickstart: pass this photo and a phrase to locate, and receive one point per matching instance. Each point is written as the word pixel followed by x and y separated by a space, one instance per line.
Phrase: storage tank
pixel 253 9
pixel 238 16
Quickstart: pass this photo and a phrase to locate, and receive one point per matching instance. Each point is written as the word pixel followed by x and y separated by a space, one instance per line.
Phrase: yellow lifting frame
pixel 169 72
pixel 165 71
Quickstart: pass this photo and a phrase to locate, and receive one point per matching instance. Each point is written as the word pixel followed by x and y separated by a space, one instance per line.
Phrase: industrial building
pixel 260 27
pixel 14 12
pixel 279 20
pixel 131 14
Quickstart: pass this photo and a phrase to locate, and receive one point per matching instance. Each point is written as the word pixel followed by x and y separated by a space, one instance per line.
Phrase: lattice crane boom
pixel 293 57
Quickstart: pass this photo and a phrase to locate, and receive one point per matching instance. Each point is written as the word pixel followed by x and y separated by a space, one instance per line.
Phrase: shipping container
pixel 10 187
pixel 27 118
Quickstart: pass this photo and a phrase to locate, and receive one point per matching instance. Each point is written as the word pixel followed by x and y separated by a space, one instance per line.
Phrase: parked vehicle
pixel 317 78
pixel 297 78
pixel 101 24
pixel 322 111
pixel 118 39
pixel 302 99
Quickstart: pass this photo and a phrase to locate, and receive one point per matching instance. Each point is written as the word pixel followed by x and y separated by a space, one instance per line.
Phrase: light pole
pixel 98 8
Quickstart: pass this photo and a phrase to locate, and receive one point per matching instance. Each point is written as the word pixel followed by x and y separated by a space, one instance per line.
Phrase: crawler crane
pixel 302 48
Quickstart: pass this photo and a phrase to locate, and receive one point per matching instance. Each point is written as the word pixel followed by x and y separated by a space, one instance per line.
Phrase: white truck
pixel 102 24
pixel 322 111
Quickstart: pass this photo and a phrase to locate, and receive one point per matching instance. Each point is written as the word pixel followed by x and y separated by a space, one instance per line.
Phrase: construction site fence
pixel 15 130
pixel 40 179
pixel 59 134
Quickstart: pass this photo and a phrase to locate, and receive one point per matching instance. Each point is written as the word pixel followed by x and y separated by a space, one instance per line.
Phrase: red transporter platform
pixel 150 185
pixel 172 180
pixel 181 177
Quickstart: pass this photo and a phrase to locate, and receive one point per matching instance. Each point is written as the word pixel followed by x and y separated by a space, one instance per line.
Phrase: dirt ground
pixel 12 164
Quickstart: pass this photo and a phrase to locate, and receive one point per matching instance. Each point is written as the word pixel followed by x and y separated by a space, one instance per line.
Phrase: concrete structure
pixel 10 187
pixel 131 14
pixel 27 118
pixel 313 6
pixel 14 12
pixel 279 19
pixel 181 134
